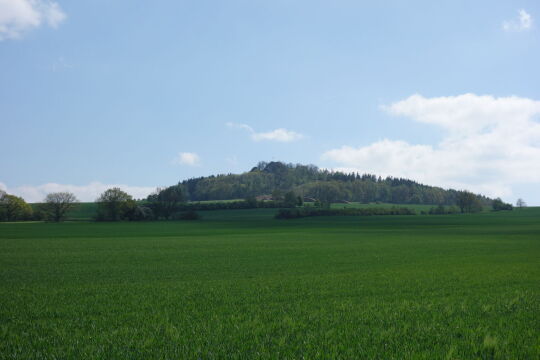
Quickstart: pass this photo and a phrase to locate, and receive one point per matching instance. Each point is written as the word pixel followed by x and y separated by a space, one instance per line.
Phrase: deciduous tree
pixel 57 205
pixel 14 208
pixel 290 199
pixel 499 205
pixel 113 204
pixel 167 201
pixel 468 202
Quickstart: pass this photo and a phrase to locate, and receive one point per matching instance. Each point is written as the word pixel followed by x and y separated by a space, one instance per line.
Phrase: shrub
pixel 140 213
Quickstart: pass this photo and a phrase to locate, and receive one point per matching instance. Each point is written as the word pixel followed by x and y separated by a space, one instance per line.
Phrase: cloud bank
pixel 489 144
pixel 19 16
pixel 279 135
pixel 521 23
pixel 85 193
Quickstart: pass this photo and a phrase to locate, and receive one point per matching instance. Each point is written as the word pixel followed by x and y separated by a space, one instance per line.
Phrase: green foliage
pixel 241 285
pixel 134 211
pixel 167 201
pixel 114 205
pixel 290 199
pixel 441 210
pixel 468 202
pixel 56 206
pixel 308 181
pixel 14 208
pixel 499 205
pixel 325 192
pixel 251 202
pixel 82 211
pixel 277 195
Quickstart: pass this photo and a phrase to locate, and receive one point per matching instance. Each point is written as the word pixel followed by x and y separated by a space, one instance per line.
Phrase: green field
pixel 417 208
pixel 242 285
pixel 87 211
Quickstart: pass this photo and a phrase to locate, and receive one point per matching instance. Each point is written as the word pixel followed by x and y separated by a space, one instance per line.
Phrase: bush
pixel 140 213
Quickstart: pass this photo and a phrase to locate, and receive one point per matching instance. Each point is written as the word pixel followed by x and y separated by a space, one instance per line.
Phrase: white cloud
pixel 489 144
pixel 521 23
pixel 85 193
pixel 280 135
pixel 19 16
pixel 241 126
pixel 187 158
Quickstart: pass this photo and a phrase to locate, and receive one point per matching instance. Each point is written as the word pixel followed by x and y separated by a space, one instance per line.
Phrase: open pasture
pixel 242 285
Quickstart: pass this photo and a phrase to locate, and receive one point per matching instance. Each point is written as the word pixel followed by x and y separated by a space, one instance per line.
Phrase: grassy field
pixel 417 208
pixel 87 211
pixel 242 285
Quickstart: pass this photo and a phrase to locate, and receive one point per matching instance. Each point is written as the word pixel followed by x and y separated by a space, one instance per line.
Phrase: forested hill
pixel 311 182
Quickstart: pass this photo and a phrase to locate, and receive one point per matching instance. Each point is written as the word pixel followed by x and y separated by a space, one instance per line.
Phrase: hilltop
pixel 311 182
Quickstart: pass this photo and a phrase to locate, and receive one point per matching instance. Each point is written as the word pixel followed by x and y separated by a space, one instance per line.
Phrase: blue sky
pixel 144 95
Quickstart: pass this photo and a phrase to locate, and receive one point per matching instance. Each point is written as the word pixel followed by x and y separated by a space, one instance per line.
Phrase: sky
pixel 95 94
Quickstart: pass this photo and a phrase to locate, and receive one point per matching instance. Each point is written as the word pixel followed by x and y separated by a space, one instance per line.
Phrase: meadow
pixel 87 210
pixel 239 284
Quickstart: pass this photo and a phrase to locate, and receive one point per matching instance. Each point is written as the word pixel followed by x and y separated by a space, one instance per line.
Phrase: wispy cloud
pixel 187 158
pixel 84 193
pixel 521 23
pixel 490 144
pixel 20 16
pixel 280 134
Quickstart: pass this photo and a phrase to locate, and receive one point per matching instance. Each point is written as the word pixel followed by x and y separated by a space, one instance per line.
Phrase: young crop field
pixel 355 205
pixel 87 210
pixel 239 284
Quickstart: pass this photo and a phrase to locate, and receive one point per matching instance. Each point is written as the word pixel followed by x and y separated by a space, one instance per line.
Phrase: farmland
pixel 240 284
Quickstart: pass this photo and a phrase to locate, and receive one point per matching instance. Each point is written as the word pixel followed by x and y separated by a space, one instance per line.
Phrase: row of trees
pixel 312 211
pixel 289 185
pixel 54 207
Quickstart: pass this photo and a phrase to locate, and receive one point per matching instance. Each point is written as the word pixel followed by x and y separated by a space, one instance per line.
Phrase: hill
pixel 309 181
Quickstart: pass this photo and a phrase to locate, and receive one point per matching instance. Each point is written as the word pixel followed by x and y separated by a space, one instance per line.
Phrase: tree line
pixel 313 211
pixel 286 185
pixel 312 182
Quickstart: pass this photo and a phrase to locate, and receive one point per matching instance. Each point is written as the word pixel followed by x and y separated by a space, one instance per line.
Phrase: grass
pixel 417 207
pixel 87 211
pixel 241 285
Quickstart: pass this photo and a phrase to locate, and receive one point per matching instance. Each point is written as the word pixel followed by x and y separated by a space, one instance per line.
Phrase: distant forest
pixel 267 185
pixel 308 181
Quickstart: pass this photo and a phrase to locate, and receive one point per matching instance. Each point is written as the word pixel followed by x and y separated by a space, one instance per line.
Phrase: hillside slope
pixel 310 181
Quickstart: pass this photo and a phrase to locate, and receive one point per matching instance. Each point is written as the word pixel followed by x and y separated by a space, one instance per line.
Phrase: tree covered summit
pixel 309 181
